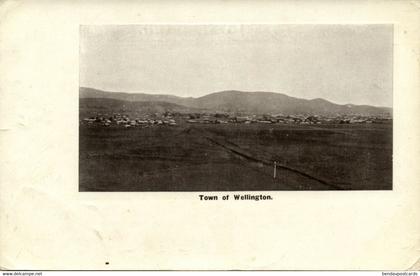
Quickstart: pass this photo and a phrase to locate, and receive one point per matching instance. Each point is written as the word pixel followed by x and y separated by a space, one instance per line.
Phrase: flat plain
pixel 235 157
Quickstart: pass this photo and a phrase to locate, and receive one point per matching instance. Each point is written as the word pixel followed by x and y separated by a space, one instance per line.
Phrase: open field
pixel 235 157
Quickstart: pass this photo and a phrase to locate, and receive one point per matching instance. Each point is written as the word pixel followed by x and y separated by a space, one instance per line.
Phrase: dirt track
pixel 234 158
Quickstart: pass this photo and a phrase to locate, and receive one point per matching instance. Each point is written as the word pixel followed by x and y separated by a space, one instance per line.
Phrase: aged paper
pixel 48 220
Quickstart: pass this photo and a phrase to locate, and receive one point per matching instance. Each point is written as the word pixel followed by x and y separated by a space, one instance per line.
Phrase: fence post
pixel 275 169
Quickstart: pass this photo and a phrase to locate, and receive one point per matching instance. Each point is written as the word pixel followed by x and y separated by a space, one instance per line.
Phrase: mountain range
pixel 226 101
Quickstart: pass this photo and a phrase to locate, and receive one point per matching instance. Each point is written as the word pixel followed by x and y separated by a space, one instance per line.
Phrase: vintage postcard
pixel 209 135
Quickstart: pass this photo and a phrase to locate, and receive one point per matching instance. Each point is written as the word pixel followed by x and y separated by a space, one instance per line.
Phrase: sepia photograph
pixel 141 136
pixel 257 107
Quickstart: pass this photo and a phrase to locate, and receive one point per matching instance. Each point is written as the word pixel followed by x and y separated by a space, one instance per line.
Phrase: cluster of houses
pixel 125 121
pixel 172 119
pixel 286 119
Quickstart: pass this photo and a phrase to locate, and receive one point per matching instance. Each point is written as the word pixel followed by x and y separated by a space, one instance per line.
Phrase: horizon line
pixel 242 91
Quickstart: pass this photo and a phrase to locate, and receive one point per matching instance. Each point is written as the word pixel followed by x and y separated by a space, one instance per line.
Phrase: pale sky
pixel 340 63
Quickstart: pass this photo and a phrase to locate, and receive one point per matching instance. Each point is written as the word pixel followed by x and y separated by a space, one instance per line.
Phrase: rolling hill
pixel 108 105
pixel 235 101
pixel 85 92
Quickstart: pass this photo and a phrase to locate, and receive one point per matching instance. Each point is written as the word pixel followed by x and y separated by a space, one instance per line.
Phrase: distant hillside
pixel 268 102
pixel 85 92
pixel 238 101
pixel 89 106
